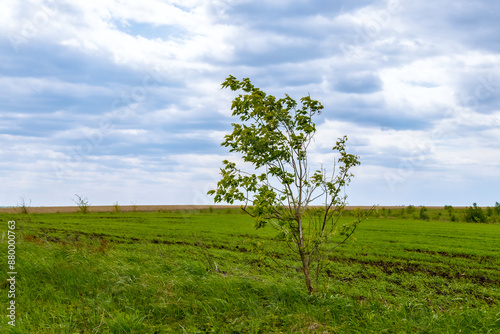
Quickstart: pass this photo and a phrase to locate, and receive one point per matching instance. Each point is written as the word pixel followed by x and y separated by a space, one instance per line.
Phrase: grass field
pixel 211 272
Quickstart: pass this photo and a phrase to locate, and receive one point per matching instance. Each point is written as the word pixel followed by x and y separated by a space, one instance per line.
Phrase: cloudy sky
pixel 120 101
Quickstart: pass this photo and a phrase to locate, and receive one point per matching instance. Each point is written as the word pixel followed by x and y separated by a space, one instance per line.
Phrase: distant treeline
pixel 471 214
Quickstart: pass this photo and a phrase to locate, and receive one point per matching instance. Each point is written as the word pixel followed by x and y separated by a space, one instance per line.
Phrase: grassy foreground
pixel 211 272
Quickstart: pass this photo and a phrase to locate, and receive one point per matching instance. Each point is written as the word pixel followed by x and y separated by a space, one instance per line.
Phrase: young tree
pixel 83 203
pixel 274 135
pixel 23 206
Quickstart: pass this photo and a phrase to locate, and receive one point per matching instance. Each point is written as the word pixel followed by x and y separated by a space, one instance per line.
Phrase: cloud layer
pixel 121 101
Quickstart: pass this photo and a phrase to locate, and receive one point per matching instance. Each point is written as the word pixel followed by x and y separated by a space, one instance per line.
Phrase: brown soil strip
pixel 124 208
pixel 152 208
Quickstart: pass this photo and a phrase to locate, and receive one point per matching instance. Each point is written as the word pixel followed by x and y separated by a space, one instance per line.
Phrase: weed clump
pixel 23 206
pixel 82 203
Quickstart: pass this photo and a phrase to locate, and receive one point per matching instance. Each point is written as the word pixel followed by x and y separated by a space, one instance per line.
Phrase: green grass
pixel 211 272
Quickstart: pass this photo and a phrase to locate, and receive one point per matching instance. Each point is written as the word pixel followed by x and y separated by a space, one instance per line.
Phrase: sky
pixel 121 101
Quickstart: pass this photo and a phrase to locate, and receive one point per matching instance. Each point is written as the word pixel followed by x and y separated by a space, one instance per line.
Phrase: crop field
pixel 210 271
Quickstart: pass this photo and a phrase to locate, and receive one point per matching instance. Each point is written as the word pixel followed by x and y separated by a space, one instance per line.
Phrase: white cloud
pixel 26 86
pixel 125 96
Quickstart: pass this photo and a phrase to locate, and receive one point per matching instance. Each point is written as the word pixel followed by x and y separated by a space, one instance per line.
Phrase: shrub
pixel 410 209
pixel 475 214
pixel 424 215
pixel 383 212
pixel 489 211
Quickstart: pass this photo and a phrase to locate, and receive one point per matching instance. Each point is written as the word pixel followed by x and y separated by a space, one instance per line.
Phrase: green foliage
pixel 410 209
pixel 448 213
pixel 497 208
pixel 424 215
pixel 451 215
pixel 489 212
pixel 273 135
pixel 383 213
pixel 475 214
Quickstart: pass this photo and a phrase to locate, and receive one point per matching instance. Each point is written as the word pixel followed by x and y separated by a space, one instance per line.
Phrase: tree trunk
pixel 303 256
pixel 307 274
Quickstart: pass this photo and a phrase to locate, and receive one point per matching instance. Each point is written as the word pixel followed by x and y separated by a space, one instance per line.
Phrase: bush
pixel 475 214
pixel 424 215
pixel 489 212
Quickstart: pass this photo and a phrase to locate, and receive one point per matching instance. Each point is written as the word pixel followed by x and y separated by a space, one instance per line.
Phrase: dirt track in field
pixel 152 208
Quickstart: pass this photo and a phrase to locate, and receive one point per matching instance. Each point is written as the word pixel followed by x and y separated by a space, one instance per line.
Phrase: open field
pixel 209 271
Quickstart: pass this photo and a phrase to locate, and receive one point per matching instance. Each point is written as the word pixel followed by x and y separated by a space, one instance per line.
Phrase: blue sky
pixel 121 102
